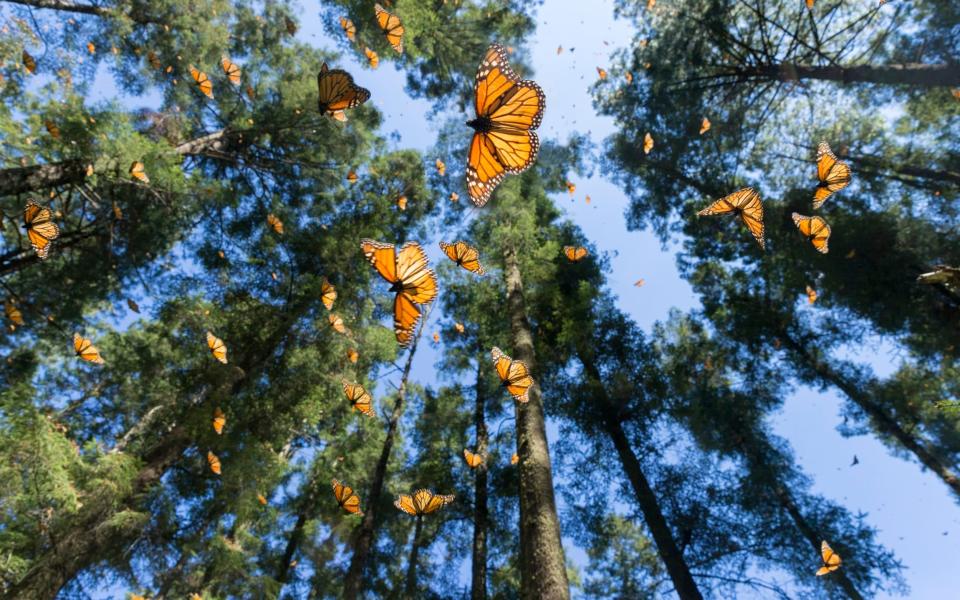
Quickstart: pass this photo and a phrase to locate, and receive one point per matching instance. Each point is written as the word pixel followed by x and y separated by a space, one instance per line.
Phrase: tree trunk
pixel 914 74
pixel 364 537
pixel 410 588
pixel 543 573
pixel 478 579
pixel 667 548
pixel 136 12
pixel 881 167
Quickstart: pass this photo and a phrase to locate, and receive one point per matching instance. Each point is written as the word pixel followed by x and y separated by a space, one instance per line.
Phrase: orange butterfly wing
pixel 464 255
pixel 391 26
pixel 346 498
pixel 219 420
pixel 41 230
pixel 328 293
pixel 231 69
pixel 831 560
pixel 203 82
pixel 214 462
pixel 816 229
pixel 473 460
pixel 513 374
pixel 336 91
pixel 359 398
pixel 833 175
pixel 217 347
pixel 85 349
pixel 745 203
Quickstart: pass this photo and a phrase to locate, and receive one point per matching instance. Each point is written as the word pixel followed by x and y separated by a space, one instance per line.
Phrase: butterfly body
pixel 832 174
pixel 514 375
pixel 744 204
pixel 41 230
pixel 336 91
pixel 410 278
pixel 422 502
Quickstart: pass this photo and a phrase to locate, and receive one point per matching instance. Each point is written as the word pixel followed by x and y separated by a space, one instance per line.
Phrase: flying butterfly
pixel 441 167
pixel 628 76
pixel 473 460
pixel 359 398
pixel 704 126
pixel 816 229
pixel 328 293
pixel 421 502
pixel 402 203
pixel 348 28
pixel 459 327
pixel 571 187
pixel 352 355
pixel 508 109
pixel 831 560
pixel 337 323
pixel 337 92
pixel 275 222
pixel 219 420
pixel 411 279
pixel 154 60
pixel 747 205
pixel 574 253
pixel 514 375
pixel 391 26
pixel 352 177
pixel 464 255
pixel 601 73
pixel 214 462
pixel 514 459
pixel 454 197
pixel 373 59
pixel 811 295
pixel 13 313
pixel 833 175
pixel 346 498
pixel 85 349
pixel 41 230
pixel 203 82
pixel 217 348
pixel 29 64
pixel 132 305
pixel 52 129
pixel 138 172
pixel 262 499
pixel 231 68
pixel 647 143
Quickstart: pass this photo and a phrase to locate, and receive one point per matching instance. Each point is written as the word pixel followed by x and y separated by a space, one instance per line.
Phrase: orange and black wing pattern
pixel 203 82
pixel 833 175
pixel 514 375
pixel 421 502
pixel 346 498
pixel 574 253
pixel 232 70
pixel 464 255
pixel 391 26
pixel 473 460
pixel 410 277
pixel 328 293
pixel 359 398
pixel 41 230
pixel 831 560
pixel 816 229
pixel 85 349
pixel 217 348
pixel 744 203
pixel 508 109
pixel 337 92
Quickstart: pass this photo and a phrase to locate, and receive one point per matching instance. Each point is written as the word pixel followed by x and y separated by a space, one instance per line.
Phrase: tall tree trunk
pixel 543 573
pixel 410 587
pixel 884 422
pixel 667 548
pixel 478 578
pixel 364 537
pixel 882 167
pixel 915 74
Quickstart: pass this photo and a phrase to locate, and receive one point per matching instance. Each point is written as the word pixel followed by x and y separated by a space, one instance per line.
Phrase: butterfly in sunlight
pixel 811 295
pixel 704 126
pixel 464 255
pixel 13 313
pixel 402 203
pixel 601 73
pixel 508 109
pixel 410 277
pixel 352 177
pixel 473 460
pixel 831 560
pixel 436 337
pixel 231 68
pixel 810 3
pixel 348 28
pixel 833 175
pixel 138 172
pixel 421 502
pixel 574 253
pixel 514 459
pixel 454 196
pixel 41 230
pixel 352 355
pixel 571 187
pixel 154 60
pixel 219 420
pixel 85 349
pixel 214 462
pixel 628 76
pixel 52 129
pixel 262 499
pixel 373 59
pixel 359 398
pixel 337 323
pixel 347 498
pixel 328 293
pixel 29 64
pixel 441 167
pixel 815 229
pixel 203 82
pixel 647 143
pixel 459 327
pixel 639 283
pixel 336 92
pixel 217 347
pixel 744 203
pixel 514 375
pixel 274 222
pixel 391 26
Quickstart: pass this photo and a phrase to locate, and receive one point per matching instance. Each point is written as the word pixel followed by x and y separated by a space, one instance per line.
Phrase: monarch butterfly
pixel 373 59
pixel 352 355
pixel 206 87
pixel 274 222
pixel 508 110
pixel 651 4
pixel 52 129
pixel 91 48
pixel 217 347
pixel 41 230
pixel 454 196
pixel 402 203
pixel 464 255
pixel 559 50
pixel 459 327
pixel 831 560
pixel 29 64
pixel 441 167
pixel 391 26
pixel 251 94
pixel 410 277
pixel 290 25
pixel 587 199
pixel 85 349
pixel 337 323
pixel 262 499
pixel 473 460
pixel 219 420
pixel 352 177
pixel 347 498
pixel 704 126
pixel 328 293
pixel 639 283
pixel 231 68
pixel 647 143
pixel 833 175
pixel 436 337
pixel 154 60
pixel 348 28
pixel 359 398
pixel 117 211
pixel 13 313
pixel 574 253
pixel 514 459
pixel 571 187
pixel 602 73
pixel 336 92
pixel 421 502
pixel 514 375
pixel 745 203
pixel 815 229
pixel 214 462
pixel 810 4
pixel 137 172
pixel 811 295
pixel 628 76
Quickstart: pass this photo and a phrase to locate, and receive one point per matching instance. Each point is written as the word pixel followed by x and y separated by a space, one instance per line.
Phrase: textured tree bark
pixel 880 167
pixel 542 568
pixel 478 576
pixel 364 537
pixel 667 548
pixel 410 587
pixel 136 12
pixel 915 74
